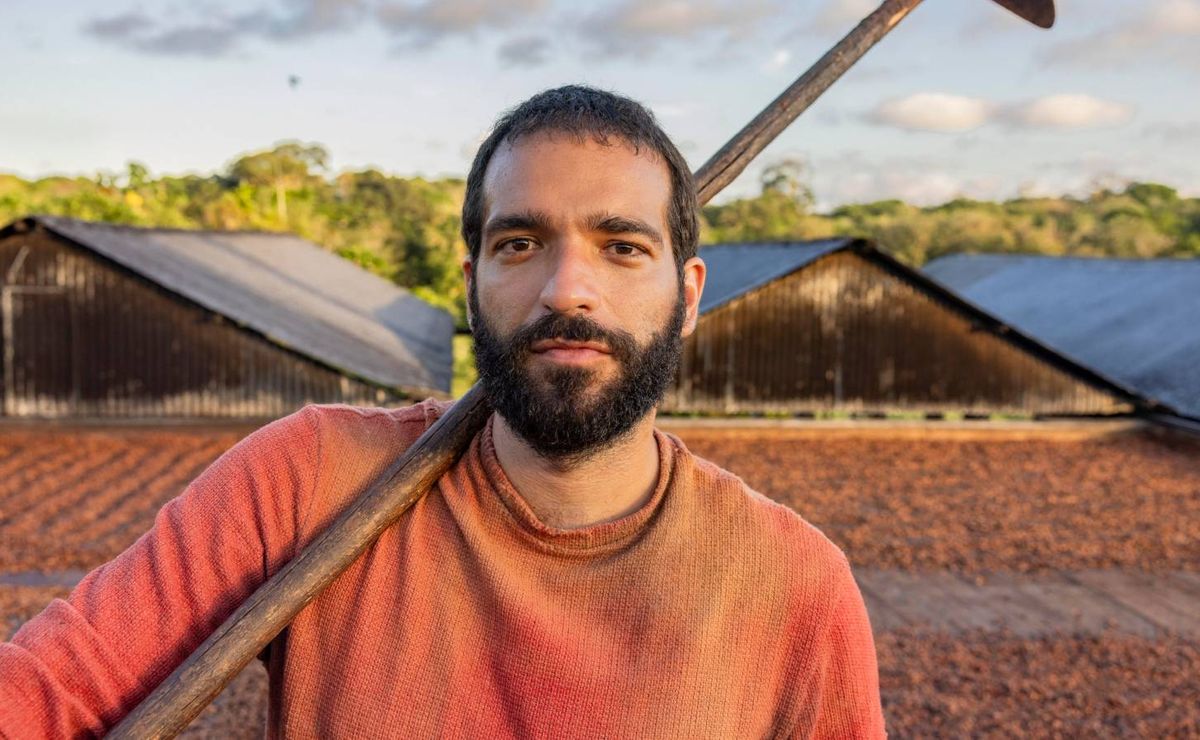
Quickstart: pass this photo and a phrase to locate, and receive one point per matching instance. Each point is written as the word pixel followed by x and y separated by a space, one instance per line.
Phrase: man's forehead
pixel 558 171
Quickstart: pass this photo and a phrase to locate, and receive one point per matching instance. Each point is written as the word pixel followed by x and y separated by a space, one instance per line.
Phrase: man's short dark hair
pixel 585 112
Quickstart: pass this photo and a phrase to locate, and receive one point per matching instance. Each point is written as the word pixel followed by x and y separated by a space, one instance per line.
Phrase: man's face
pixel 577 305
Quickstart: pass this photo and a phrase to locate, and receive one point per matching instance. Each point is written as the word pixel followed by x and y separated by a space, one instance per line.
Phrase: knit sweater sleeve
pixel 86 661
pixel 849 697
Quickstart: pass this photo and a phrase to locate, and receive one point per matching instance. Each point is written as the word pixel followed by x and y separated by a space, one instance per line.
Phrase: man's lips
pixel 562 350
pixel 544 345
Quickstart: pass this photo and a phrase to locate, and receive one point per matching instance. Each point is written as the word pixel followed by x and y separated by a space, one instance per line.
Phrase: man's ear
pixel 694 273
pixel 468 276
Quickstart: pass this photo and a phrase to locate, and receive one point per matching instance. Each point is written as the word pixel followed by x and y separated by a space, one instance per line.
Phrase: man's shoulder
pixel 423 412
pixel 365 429
pixel 756 528
pixel 349 447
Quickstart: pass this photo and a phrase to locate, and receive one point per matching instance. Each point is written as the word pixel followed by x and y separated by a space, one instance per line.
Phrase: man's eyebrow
pixel 613 224
pixel 523 221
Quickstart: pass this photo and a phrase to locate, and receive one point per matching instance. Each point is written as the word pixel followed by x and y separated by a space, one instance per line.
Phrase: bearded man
pixel 577 573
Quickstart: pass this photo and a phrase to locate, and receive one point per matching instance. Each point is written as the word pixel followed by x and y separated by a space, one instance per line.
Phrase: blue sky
pixel 962 99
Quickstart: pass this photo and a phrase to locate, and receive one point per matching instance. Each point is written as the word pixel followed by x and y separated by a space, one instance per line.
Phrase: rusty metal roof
pixel 290 291
pixel 1137 321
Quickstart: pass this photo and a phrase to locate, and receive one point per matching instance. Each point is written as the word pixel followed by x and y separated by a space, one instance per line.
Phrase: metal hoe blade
pixel 1037 12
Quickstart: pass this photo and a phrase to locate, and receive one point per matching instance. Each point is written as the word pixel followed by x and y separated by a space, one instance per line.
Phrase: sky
pixel 962 99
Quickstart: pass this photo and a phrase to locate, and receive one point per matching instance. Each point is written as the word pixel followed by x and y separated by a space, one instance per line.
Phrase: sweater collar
pixel 600 537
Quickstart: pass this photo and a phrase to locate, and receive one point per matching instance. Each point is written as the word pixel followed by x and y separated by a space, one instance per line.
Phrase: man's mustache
pixel 572 328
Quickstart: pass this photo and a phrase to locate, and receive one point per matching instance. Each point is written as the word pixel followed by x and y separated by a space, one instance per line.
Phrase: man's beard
pixel 560 411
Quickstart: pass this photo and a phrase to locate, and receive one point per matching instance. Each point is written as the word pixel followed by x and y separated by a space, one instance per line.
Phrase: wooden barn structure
pixel 840 326
pixel 104 321
pixel 1136 321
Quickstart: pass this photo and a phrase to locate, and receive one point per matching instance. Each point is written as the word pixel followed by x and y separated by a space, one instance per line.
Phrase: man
pixel 576 574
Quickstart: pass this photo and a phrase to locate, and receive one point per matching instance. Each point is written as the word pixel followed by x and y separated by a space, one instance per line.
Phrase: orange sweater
pixel 709 612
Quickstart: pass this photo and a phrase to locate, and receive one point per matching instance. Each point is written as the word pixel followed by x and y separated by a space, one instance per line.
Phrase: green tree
pixel 289 166
pixel 779 213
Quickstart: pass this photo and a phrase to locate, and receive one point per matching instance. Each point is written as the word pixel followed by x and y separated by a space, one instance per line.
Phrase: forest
pixel 407 229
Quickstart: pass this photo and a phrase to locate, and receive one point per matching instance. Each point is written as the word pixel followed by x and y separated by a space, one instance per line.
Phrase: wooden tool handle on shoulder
pixel 198 680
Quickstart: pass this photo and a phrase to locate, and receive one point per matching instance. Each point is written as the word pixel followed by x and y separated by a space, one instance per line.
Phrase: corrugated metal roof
pixel 1136 321
pixel 290 291
pixel 737 269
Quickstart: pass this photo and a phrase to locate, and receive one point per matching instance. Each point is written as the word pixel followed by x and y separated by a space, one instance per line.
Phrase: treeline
pixel 404 229
pixel 1140 221
pixel 407 229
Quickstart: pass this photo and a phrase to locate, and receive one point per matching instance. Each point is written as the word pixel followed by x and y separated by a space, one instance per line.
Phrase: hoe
pixel 183 694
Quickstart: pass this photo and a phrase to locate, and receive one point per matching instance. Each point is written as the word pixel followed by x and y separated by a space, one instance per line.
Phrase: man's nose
pixel 571 285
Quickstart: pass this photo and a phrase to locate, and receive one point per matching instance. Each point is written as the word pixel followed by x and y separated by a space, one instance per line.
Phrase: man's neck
pixel 612 484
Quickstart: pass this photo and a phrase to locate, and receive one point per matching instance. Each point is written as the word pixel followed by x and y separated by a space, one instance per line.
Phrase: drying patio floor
pixel 1031 580
pixel 1090 602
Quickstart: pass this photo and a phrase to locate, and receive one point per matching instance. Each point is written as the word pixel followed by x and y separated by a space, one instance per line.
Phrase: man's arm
pixel 849 698
pixel 86 661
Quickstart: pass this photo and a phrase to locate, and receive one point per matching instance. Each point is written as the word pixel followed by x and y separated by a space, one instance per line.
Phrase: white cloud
pixel 1069 111
pixel 312 17
pixel 931 111
pixel 677 18
pixel 425 23
pixel 625 27
pixel 211 31
pixel 637 27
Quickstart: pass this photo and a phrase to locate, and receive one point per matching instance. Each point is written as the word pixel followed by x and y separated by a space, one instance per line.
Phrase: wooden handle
pixel 724 166
pixel 198 680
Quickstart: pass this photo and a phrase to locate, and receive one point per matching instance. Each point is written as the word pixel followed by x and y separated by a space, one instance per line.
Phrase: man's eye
pixel 517 245
pixel 621 249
